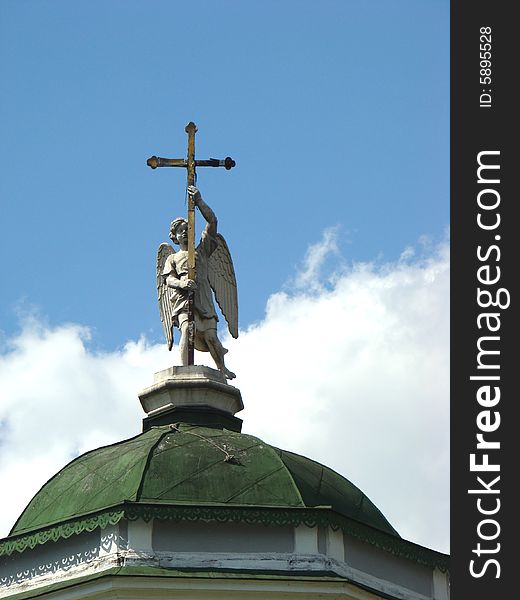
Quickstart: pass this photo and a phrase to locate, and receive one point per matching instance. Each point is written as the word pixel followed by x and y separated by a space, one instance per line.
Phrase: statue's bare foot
pixel 227 373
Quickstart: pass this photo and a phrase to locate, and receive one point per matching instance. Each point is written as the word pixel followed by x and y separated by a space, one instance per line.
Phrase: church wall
pixel 221 537
pixel 379 563
pixel 322 540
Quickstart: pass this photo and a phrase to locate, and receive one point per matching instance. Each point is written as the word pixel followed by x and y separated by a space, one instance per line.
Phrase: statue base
pixel 194 394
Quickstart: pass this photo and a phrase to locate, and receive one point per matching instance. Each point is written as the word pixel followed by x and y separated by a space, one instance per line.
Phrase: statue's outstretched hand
pixel 194 193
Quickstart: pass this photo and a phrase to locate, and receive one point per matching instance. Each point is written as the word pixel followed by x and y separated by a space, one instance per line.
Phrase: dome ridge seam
pixel 148 461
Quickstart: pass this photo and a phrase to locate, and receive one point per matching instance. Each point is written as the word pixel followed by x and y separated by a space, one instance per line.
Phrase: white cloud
pixel 352 372
pixel 357 377
pixel 309 275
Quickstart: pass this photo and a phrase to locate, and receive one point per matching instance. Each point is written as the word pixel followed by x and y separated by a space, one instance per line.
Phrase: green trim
pixel 64 530
pixel 269 516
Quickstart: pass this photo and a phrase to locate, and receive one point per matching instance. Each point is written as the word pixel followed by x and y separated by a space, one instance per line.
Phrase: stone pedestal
pixel 198 391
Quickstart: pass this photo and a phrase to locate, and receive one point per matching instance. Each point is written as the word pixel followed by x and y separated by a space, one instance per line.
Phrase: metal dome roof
pixel 183 465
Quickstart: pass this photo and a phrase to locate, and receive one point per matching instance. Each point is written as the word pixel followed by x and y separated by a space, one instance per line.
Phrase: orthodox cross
pixel 190 165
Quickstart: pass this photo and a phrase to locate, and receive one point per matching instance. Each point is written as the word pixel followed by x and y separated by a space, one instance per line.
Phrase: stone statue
pixel 214 271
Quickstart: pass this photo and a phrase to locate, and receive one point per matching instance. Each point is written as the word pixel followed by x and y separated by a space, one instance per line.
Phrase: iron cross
pixel 190 165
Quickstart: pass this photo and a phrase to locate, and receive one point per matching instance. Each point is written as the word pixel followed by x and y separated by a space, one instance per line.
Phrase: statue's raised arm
pixel 214 271
pixel 221 273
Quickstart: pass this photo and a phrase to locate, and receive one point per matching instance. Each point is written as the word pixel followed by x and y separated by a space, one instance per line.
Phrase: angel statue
pixel 214 271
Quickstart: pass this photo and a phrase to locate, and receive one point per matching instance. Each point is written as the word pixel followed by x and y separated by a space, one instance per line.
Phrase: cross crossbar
pixel 156 161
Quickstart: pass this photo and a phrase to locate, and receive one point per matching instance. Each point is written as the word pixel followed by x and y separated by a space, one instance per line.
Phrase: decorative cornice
pixel 269 516
pixel 64 530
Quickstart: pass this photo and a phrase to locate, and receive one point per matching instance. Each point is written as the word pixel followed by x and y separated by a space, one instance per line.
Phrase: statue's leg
pixel 217 352
pixel 183 342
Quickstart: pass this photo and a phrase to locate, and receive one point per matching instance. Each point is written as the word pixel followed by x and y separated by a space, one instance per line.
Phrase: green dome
pixel 187 465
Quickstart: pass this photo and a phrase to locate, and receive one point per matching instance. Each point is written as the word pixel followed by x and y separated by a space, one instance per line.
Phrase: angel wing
pixel 222 279
pixel 165 305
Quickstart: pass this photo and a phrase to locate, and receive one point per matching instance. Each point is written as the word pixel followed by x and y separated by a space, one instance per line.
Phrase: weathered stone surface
pixel 190 386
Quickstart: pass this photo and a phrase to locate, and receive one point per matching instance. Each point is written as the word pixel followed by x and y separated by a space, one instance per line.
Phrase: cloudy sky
pixel 336 215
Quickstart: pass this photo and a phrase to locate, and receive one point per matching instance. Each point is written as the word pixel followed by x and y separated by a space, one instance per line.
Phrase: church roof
pixel 184 472
pixel 192 466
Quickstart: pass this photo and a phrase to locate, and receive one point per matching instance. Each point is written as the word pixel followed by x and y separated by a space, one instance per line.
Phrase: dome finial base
pixel 193 393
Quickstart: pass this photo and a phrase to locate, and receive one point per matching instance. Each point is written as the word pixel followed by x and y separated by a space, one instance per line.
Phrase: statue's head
pixel 177 225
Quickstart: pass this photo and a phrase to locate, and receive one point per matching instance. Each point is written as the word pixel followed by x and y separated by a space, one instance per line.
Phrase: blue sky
pixel 336 112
